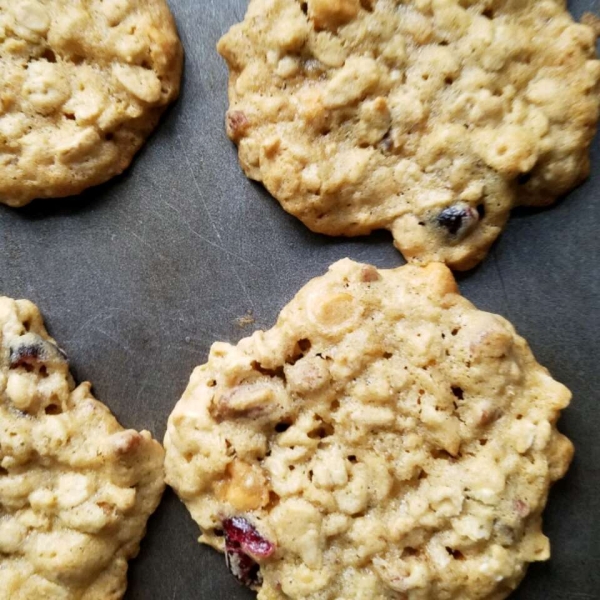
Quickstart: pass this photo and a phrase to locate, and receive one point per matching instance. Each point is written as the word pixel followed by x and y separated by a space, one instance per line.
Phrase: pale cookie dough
pixel 430 118
pixel 83 84
pixel 385 440
pixel 76 489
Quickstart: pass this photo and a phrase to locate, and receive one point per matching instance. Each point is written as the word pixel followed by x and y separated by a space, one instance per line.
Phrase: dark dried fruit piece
pixel 237 125
pixel 243 568
pixel 242 543
pixel 33 351
pixel 24 355
pixel 387 142
pixel 458 219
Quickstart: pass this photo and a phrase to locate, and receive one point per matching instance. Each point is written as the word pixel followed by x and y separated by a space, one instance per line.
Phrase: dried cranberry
pixel 458 219
pixel 24 355
pixel 32 350
pixel 242 543
pixel 239 530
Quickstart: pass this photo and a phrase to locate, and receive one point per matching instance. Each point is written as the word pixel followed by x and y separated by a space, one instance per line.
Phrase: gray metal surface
pixel 138 277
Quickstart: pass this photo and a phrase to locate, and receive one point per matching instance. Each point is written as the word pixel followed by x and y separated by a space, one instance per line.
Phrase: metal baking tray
pixel 136 279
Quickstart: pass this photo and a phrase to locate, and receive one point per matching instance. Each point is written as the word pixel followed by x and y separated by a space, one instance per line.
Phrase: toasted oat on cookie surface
pixel 430 118
pixel 385 439
pixel 84 83
pixel 76 489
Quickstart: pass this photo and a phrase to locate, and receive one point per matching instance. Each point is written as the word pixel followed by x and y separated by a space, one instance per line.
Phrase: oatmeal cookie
pixel 430 118
pixel 84 83
pixel 76 489
pixel 385 439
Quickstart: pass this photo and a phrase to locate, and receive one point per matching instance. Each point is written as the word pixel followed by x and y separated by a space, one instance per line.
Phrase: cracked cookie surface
pixel 84 83
pixel 76 489
pixel 387 114
pixel 385 439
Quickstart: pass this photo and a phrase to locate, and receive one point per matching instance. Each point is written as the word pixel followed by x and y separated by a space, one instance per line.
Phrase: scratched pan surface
pixel 138 277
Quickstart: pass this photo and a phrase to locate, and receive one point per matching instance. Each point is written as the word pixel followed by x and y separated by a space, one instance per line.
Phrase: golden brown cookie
pixel 430 118
pixel 76 489
pixel 84 82
pixel 385 440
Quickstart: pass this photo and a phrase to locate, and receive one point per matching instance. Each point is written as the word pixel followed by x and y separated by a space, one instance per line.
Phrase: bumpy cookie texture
pixel 385 439
pixel 76 489
pixel 84 82
pixel 370 114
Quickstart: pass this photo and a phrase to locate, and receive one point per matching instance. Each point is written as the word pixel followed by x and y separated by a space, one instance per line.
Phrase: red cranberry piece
pixel 239 531
pixel 242 543
pixel 458 219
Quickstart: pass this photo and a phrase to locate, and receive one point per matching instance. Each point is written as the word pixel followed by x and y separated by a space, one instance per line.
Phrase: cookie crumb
pixel 246 320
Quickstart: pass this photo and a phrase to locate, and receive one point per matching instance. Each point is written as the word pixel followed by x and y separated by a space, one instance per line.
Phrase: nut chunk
pixel 328 14
pixel 76 489
pixel 384 440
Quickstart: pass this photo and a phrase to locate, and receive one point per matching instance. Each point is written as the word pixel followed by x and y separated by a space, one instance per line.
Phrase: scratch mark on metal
pixel 502 284
pixel 198 189
pixel 208 240
pixel 144 242
pixel 119 343
pixel 211 221
pixel 101 317
pixel 140 392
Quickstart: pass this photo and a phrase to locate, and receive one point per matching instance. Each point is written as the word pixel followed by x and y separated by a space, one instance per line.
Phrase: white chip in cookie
pixel 430 118
pixel 385 439
pixel 76 489
pixel 82 86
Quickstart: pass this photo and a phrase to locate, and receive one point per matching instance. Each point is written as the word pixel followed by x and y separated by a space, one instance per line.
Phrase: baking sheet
pixel 138 277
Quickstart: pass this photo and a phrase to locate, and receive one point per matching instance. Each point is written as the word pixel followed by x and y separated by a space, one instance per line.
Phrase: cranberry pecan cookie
pixel 83 85
pixel 385 439
pixel 430 118
pixel 76 489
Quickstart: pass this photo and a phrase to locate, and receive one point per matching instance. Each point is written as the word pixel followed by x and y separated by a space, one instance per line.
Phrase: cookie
pixel 429 118
pixel 385 439
pixel 76 489
pixel 83 85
